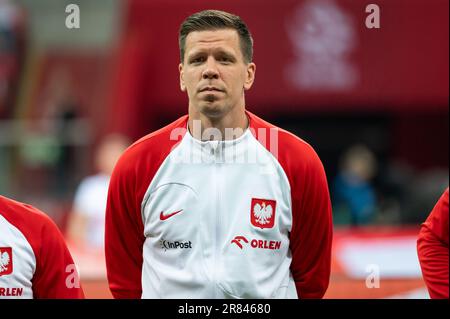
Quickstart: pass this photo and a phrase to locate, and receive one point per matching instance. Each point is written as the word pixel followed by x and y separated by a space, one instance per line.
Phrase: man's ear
pixel 250 78
pixel 182 86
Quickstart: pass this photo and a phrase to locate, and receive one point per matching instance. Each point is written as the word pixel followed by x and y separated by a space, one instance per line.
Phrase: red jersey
pixel 34 259
pixel 432 247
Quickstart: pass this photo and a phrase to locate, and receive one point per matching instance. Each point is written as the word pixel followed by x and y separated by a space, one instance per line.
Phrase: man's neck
pixel 230 126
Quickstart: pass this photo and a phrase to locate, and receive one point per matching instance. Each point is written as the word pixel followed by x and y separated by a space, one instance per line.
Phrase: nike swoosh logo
pixel 164 217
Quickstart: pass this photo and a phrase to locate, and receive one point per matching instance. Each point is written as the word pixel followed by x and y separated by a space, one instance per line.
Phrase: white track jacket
pixel 243 218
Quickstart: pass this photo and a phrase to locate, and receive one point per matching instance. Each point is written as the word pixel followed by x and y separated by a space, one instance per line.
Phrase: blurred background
pixel 372 102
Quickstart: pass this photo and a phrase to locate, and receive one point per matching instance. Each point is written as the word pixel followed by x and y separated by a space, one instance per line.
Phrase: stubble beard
pixel 212 108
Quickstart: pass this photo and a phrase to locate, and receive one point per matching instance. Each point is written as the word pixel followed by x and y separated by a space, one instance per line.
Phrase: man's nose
pixel 210 71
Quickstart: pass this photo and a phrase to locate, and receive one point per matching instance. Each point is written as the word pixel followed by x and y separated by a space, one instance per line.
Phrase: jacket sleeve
pixel 124 235
pixel 56 276
pixel 433 251
pixel 312 231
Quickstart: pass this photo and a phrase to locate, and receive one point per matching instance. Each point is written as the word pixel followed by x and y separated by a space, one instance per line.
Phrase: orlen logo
pixel 237 241
pixel 165 244
pixel 240 241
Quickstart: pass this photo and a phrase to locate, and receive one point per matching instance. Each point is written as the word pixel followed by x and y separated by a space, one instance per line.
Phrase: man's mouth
pixel 210 89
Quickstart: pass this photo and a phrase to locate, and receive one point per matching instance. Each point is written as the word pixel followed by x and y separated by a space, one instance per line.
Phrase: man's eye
pixel 197 60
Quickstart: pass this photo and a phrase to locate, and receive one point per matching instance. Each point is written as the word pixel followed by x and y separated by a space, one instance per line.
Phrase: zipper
pixel 219 165
pixel 217 153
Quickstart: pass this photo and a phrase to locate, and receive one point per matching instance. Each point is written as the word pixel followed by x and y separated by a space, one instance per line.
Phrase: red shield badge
pixel 262 212
pixel 6 261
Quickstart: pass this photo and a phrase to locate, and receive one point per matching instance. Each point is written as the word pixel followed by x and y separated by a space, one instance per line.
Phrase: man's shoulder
pixel 280 141
pixel 157 144
pixel 160 140
pixel 27 218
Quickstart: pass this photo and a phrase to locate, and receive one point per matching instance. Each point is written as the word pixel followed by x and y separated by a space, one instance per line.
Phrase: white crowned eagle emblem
pixel 262 213
pixel 4 261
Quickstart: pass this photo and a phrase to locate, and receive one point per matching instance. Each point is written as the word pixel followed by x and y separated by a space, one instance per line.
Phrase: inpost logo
pixel 165 244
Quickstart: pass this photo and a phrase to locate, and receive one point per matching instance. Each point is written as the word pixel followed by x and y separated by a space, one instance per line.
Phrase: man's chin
pixel 212 109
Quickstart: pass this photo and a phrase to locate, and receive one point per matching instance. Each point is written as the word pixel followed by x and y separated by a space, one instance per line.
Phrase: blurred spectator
pixel 354 198
pixel 86 227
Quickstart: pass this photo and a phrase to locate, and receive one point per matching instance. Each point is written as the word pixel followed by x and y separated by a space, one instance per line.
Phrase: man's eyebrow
pixel 226 54
pixel 194 53
pixel 215 52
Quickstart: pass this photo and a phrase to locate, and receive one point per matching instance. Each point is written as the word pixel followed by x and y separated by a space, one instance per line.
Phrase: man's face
pixel 214 73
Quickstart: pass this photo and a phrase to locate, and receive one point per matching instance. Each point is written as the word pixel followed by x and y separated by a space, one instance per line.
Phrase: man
pixel 218 204
pixel 34 259
pixel 432 248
